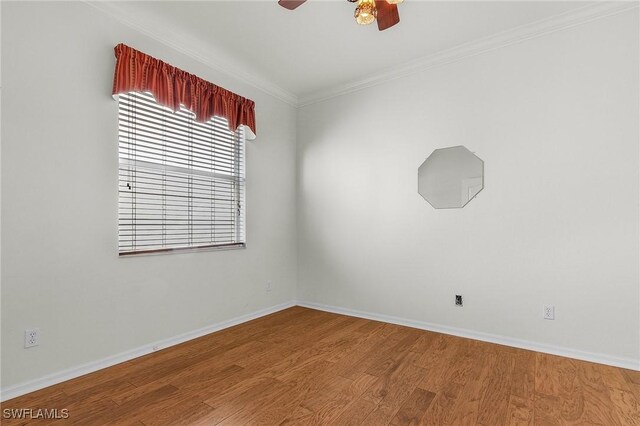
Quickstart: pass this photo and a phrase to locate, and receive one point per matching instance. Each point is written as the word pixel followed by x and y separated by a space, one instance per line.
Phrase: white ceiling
pixel 319 46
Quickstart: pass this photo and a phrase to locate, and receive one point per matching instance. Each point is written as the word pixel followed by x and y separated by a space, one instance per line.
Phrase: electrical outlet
pixel 269 286
pixel 458 300
pixel 31 337
pixel 549 312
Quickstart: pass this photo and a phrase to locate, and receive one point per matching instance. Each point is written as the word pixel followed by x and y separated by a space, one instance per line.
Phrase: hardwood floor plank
pixel 252 394
pixel 269 323
pixel 256 406
pixel 299 416
pixel 554 375
pixel 440 411
pixel 179 410
pixel 205 375
pixel 436 361
pixel 393 388
pixel 355 413
pixel 495 400
pixel 450 384
pixel 307 378
pixel 347 366
pixel 413 408
pixel 302 390
pixel 625 402
pixel 632 376
pixel 520 411
pixel 334 407
pixel 424 342
pixel 523 376
pixel 306 367
pixel 141 406
pixel 185 417
pixel 546 410
pixel 314 402
pixel 466 406
pixel 224 353
pixel 386 362
pixel 626 406
pixel 401 373
pixel 369 326
pixel 598 407
pixel 93 413
pixel 304 350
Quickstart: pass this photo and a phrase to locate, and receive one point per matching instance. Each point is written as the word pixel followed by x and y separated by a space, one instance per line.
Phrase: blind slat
pixel 180 182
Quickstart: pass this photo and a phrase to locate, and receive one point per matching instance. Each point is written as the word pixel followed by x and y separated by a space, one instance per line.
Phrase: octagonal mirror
pixel 450 177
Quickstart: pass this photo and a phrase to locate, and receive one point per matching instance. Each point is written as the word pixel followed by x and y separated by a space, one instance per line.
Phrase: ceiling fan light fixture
pixel 366 12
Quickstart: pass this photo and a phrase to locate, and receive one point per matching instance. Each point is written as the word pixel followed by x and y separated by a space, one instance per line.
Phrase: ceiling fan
pixel 367 11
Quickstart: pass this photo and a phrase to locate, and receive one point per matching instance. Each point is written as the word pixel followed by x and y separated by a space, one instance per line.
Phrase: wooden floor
pixel 304 367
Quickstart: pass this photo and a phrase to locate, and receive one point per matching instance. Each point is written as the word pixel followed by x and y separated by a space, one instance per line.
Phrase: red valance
pixel 172 87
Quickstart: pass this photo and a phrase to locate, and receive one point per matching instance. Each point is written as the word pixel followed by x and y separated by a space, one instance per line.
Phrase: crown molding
pixel 516 35
pixel 203 53
pixel 190 47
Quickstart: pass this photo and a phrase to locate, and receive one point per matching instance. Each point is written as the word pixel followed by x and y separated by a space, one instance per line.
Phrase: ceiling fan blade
pixel 290 4
pixel 387 14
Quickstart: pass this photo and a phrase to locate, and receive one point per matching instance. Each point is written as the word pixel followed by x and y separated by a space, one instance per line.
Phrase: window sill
pixel 156 252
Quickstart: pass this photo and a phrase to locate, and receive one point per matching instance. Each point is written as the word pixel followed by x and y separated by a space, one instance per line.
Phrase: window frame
pixel 239 178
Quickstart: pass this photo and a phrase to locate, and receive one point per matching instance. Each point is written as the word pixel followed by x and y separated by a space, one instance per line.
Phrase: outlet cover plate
pixel 549 312
pixel 31 337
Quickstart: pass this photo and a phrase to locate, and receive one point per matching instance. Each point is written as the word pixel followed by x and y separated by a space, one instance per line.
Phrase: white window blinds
pixel 181 182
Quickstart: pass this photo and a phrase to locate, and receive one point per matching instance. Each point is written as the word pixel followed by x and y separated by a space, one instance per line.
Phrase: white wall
pixel 555 120
pixel 60 265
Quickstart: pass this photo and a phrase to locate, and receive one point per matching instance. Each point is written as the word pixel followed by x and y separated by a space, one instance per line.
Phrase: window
pixel 181 182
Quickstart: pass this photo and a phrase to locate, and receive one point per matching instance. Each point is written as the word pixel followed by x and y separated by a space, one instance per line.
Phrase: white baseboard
pixel 629 363
pixel 71 373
